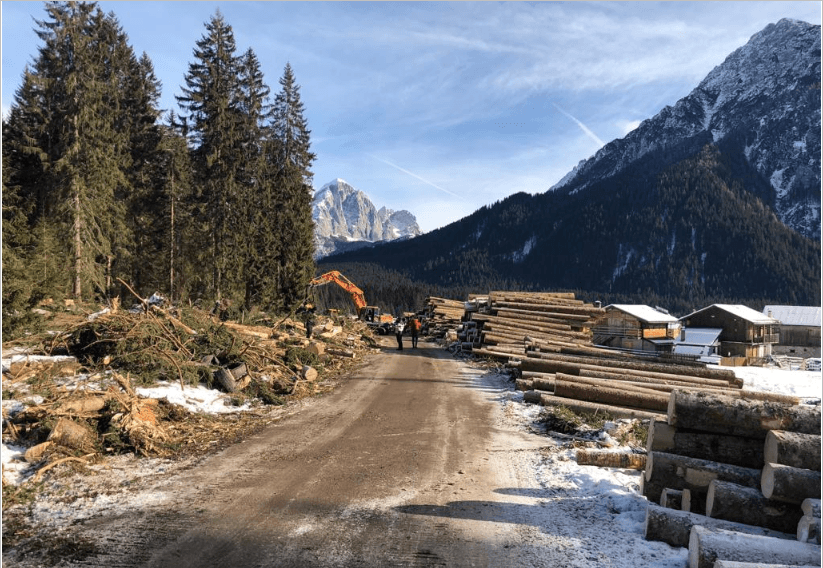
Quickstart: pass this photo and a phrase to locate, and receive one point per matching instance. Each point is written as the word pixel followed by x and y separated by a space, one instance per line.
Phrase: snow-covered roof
pixel 795 315
pixel 741 311
pixel 644 313
pixel 699 336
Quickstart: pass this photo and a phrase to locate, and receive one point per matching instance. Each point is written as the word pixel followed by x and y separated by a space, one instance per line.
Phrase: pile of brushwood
pixel 84 406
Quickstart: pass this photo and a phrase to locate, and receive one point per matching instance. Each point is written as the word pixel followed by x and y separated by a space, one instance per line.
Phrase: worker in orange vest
pixel 414 325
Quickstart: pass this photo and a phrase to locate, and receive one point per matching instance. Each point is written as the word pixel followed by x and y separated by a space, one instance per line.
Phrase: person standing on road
pixel 414 325
pixel 399 325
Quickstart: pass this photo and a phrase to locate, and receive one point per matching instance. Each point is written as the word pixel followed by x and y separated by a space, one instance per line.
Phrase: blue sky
pixel 441 108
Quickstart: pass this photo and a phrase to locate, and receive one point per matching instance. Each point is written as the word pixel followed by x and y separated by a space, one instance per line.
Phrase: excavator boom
pixel 335 276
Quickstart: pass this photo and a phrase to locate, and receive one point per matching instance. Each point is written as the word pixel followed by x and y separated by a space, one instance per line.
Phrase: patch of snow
pixel 802 384
pixel 194 399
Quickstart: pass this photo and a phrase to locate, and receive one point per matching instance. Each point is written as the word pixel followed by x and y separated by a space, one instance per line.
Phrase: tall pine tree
pixel 293 179
pixel 211 97
pixel 71 153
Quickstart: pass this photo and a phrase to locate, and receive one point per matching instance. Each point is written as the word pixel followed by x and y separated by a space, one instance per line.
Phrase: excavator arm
pixel 349 286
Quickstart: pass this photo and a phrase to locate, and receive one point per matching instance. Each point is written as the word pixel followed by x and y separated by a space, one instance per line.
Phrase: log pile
pixel 443 315
pixel 547 336
pixel 748 472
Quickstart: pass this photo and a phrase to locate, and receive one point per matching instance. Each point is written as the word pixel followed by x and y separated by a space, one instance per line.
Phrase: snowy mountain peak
pixel 762 101
pixel 343 214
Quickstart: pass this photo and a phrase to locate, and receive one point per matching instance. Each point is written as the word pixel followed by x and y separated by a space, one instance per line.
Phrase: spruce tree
pixel 211 98
pixel 293 179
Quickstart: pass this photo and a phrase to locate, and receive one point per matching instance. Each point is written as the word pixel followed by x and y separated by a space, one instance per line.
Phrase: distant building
pixel 637 327
pixel 746 332
pixel 799 325
pixel 702 343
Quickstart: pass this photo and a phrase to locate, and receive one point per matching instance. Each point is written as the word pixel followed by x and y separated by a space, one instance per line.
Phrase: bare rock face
pixel 345 218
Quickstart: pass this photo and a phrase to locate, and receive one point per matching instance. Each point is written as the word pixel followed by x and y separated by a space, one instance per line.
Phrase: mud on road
pixel 409 462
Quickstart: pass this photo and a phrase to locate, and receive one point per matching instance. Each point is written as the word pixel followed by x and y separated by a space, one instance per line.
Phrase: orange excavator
pixel 369 314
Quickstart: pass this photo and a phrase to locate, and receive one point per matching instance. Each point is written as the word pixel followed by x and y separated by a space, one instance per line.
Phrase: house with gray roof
pixel 746 332
pixel 799 325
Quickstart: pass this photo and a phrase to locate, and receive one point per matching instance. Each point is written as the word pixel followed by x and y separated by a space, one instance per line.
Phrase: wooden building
pixel 636 327
pixel 746 332
pixel 799 325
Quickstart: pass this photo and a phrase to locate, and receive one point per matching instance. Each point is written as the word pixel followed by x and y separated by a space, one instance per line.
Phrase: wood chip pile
pixel 736 479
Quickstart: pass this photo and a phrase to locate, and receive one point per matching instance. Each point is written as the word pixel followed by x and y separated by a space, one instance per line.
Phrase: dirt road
pixel 404 464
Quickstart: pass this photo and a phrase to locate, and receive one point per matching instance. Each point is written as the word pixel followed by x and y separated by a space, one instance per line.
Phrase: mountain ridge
pixel 345 219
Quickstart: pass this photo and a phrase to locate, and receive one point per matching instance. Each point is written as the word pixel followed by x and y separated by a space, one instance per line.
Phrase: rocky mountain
pixel 762 101
pixel 346 219
pixel 716 198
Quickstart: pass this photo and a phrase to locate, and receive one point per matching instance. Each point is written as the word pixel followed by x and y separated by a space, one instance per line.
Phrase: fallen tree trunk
pixel 733 450
pixel 671 471
pixel 706 546
pixel 747 505
pixel 811 507
pixel 808 529
pixel 673 527
pixel 665 368
pixel 546 399
pixel 606 458
pixel 793 448
pixel 734 564
pixel 739 417
pixel 609 395
pixel 671 499
pixel 789 484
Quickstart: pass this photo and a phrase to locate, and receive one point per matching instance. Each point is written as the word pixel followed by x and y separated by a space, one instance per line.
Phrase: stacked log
pixel 443 314
pixel 719 452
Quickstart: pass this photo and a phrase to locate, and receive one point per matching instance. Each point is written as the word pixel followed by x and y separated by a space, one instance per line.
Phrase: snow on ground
pixel 803 384
pixel 590 515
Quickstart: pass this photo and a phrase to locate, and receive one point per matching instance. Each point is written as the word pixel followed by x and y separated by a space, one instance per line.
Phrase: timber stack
pixel 745 474
pixel 548 337
pixel 443 315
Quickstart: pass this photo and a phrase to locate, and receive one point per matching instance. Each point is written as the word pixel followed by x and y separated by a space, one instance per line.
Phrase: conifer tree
pixel 73 155
pixel 211 99
pixel 257 242
pixel 293 179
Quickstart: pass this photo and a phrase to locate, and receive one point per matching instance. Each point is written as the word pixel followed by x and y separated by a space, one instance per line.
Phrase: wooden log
pixel 90 404
pixel 693 502
pixel 674 381
pixel 226 379
pixel 524 384
pixel 733 450
pixel 671 499
pixel 609 395
pixel 734 564
pixel 793 448
pixel 72 435
pixel 673 527
pixel 747 505
pixel 36 453
pixel 606 383
pixel 789 484
pixel 543 384
pixel 664 470
pixel 808 529
pixel 606 458
pixel 739 417
pixel 533 396
pixel 547 399
pixel 706 546
pixel 639 365
pixel 811 507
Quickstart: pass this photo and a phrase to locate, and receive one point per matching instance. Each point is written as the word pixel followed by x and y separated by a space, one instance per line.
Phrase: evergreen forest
pixel 105 193
pixel 681 229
